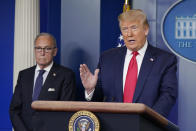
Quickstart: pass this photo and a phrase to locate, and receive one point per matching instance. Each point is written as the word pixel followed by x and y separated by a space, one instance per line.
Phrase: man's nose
pixel 129 32
pixel 42 51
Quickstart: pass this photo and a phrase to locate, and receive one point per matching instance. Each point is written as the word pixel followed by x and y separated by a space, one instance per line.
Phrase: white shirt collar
pixel 141 51
pixel 47 69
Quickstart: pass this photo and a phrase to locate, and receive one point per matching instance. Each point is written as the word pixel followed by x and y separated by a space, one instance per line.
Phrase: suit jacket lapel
pixel 145 69
pixel 30 83
pixel 119 74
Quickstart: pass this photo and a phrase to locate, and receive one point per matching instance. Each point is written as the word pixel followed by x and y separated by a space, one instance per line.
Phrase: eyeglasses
pixel 45 49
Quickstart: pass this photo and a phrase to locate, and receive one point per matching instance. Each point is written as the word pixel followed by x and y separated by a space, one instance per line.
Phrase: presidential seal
pixel 179 29
pixel 84 121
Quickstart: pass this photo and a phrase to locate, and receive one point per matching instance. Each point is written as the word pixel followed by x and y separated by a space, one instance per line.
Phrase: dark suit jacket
pixel 156 85
pixel 60 78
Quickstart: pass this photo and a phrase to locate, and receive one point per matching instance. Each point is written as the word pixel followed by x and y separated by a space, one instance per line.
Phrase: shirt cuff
pixel 88 97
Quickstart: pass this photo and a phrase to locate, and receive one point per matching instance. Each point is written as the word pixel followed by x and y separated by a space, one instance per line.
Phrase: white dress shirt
pixel 47 69
pixel 128 57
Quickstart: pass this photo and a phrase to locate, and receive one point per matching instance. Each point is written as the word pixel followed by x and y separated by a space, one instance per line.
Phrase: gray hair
pixel 46 34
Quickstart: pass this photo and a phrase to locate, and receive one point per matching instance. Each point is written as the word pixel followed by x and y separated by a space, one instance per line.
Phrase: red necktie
pixel 131 79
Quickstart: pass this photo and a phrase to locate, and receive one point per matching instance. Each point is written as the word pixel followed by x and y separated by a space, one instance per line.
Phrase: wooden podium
pixel 55 116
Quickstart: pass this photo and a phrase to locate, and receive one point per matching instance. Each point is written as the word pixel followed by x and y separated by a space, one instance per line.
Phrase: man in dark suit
pixel 136 73
pixel 57 83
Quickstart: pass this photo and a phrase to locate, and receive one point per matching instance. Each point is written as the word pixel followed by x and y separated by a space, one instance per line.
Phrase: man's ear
pixel 55 51
pixel 146 29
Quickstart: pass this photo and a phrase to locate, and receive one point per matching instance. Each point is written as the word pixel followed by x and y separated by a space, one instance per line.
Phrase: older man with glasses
pixel 44 81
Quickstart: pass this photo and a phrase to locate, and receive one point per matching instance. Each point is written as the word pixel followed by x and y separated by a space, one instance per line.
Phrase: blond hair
pixel 133 15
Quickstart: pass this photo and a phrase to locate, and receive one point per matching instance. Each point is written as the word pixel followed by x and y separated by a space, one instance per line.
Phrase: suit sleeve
pixel 68 92
pixel 16 107
pixel 168 88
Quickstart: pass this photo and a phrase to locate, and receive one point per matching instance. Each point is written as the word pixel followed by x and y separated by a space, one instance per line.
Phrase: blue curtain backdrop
pixel 50 21
pixel 6 55
pixel 110 9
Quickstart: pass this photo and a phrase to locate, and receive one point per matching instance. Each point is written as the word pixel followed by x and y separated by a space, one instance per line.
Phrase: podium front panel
pixel 59 121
